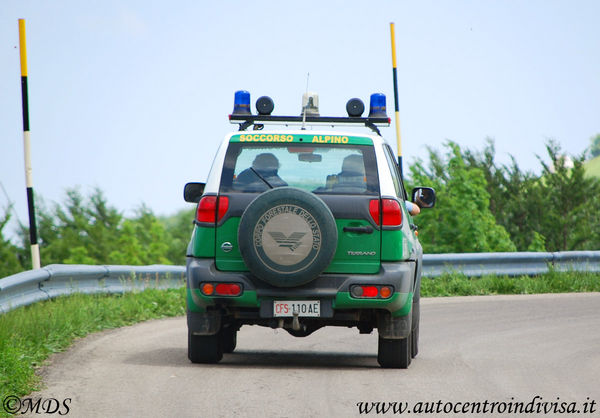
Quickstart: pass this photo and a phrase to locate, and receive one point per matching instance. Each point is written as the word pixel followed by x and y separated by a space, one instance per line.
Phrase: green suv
pixel 301 229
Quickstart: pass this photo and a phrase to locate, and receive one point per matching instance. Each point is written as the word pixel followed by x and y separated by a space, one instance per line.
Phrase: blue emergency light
pixel 377 107
pixel 241 103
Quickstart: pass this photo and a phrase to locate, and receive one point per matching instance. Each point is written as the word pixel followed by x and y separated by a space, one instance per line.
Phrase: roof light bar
pixel 310 115
pixel 310 120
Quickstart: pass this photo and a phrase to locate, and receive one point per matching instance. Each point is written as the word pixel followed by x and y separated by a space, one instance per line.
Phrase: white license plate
pixel 302 307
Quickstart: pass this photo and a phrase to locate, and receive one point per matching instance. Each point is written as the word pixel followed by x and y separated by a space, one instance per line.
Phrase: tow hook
pixel 295 322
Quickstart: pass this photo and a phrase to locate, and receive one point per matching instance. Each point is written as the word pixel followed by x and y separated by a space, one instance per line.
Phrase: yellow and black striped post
pixel 35 249
pixel 396 108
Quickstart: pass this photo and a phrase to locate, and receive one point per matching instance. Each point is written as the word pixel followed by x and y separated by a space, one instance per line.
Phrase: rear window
pixel 317 168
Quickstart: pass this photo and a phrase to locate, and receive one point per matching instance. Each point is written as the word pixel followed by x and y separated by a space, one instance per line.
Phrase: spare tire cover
pixel 287 236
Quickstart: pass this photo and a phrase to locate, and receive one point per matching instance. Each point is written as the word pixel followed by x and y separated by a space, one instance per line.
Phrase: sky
pixel 132 97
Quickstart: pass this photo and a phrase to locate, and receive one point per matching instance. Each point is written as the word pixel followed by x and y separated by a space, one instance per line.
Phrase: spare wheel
pixel 287 236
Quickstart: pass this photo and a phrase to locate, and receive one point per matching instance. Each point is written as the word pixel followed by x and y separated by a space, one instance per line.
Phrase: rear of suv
pixel 298 230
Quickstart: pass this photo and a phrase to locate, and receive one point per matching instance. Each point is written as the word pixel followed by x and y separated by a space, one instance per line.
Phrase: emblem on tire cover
pixel 287 238
pixel 292 242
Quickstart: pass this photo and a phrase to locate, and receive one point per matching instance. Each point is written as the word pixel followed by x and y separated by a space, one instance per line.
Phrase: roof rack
pixel 258 121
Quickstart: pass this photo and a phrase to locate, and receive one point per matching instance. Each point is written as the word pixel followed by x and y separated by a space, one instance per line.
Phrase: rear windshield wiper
pixel 261 177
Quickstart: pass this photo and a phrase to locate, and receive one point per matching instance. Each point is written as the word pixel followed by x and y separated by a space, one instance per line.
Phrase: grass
pixel 30 334
pixel 553 282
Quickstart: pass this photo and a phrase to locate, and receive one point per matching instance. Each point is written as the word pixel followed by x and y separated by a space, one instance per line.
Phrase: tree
pixel 128 250
pixel 595 146
pixel 462 220
pixel 152 236
pixel 10 262
pixel 179 230
pixel 511 192
pixel 90 231
pixel 554 211
pixel 80 231
pixel 569 202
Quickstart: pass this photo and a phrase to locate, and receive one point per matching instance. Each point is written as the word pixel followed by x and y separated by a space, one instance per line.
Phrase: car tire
pixel 204 348
pixel 287 236
pixel 228 337
pixel 393 353
pixel 415 342
pixel 416 316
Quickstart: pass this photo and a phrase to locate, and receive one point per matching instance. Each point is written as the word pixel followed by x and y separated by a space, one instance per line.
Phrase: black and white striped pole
pixel 35 249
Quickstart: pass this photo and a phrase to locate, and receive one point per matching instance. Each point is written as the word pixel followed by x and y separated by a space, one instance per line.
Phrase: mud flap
pixel 206 323
pixel 394 328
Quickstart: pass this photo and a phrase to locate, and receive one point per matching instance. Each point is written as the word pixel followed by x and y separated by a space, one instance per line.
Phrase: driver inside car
pixel 261 175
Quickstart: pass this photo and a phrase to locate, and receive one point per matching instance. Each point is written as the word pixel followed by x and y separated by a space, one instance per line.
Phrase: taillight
pixel 385 292
pixel 391 212
pixel 223 206
pixel 221 289
pixel 207 209
pixel 207 288
pixel 371 292
pixel 228 289
pixel 374 211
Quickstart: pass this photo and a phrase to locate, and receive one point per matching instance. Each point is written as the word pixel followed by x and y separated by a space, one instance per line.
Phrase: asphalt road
pixel 472 349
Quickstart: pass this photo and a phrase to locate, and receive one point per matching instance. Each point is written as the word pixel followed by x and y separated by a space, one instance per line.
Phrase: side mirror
pixel 424 197
pixel 192 192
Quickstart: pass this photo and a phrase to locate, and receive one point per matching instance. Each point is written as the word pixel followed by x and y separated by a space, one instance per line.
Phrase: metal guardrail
pixel 510 264
pixel 57 279
pixel 32 286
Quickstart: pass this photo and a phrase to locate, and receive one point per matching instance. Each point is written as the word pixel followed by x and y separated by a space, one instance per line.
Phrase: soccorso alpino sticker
pixel 287 238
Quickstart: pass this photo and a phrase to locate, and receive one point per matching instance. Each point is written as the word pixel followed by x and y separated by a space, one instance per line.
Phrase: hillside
pixel 592 167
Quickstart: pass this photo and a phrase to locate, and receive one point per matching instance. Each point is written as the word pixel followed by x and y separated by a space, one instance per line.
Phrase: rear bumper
pixel 333 290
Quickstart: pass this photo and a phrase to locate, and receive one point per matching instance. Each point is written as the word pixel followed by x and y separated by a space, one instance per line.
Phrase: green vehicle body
pixel 385 256
pixel 394 246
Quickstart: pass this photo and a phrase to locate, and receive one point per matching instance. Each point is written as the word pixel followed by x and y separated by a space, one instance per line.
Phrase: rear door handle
pixel 359 229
